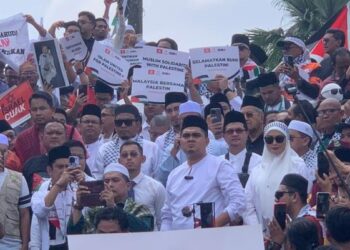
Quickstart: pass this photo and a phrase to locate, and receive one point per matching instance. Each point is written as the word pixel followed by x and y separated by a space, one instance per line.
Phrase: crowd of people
pixel 95 161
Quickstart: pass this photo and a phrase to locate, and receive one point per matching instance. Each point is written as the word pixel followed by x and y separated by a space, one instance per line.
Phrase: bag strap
pixel 245 166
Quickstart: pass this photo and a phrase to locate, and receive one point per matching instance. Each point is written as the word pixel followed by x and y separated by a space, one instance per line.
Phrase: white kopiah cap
pixel 301 127
pixel 190 106
pixel 4 140
pixel 116 167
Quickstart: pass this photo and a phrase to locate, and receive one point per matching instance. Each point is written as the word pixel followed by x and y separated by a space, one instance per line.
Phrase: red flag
pixel 341 22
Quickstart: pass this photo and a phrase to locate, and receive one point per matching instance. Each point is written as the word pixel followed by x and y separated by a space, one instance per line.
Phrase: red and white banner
pixel 341 22
pixel 14 104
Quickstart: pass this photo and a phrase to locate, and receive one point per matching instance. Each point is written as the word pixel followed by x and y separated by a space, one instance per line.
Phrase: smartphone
pixel 280 214
pixel 82 89
pixel 289 60
pixel 73 161
pixel 322 164
pixel 93 198
pixel 322 204
pixel 215 114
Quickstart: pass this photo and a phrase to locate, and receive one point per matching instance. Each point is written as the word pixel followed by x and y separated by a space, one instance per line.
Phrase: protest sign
pixel 14 41
pixel 132 56
pixel 49 63
pixel 74 47
pixel 223 238
pixel 106 64
pixel 14 104
pixel 152 85
pixel 164 59
pixel 208 62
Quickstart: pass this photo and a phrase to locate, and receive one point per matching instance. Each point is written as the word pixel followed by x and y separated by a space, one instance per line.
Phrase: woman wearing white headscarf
pixel 278 159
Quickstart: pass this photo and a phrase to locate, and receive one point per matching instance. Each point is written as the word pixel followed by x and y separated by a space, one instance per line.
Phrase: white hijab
pixel 274 168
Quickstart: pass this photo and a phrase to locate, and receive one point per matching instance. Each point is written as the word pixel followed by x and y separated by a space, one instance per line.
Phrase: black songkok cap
pixel 267 79
pixel 66 90
pixel 91 109
pixel 342 154
pixel 219 97
pixel 128 108
pixel 194 121
pixel 212 106
pixel 59 152
pixel 173 97
pixel 101 87
pixel 249 100
pixel 296 182
pixel 234 116
pixel 4 126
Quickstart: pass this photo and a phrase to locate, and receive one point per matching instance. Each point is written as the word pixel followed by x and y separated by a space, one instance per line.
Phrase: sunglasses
pixel 126 122
pixel 279 194
pixel 278 139
pixel 336 91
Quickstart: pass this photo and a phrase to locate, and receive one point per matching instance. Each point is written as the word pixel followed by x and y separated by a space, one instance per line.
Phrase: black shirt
pixel 256 146
pixel 89 43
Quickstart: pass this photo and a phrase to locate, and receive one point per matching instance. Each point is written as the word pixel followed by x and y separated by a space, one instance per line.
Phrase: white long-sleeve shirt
pixel 63 206
pixel 237 161
pixel 150 193
pixel 213 181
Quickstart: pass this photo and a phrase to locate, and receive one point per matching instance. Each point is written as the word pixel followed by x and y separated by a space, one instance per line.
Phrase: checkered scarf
pixel 112 149
pixel 169 138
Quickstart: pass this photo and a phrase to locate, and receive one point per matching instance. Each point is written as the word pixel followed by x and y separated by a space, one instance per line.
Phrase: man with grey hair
pixel 158 126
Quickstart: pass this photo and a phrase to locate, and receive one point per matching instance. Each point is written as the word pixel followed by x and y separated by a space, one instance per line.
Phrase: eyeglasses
pixel 279 194
pixel 278 139
pixel 295 137
pixel 248 114
pixel 126 122
pixel 131 154
pixel 90 122
pixel 327 111
pixel 238 131
pixel 194 135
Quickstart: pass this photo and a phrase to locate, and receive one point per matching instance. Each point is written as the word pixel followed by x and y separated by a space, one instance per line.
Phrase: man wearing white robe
pixel 202 178
pixel 90 127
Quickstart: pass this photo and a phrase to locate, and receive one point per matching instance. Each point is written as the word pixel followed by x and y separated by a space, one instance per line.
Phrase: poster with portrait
pixel 49 63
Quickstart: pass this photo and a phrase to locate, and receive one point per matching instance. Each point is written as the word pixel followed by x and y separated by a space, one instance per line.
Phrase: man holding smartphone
pixel 293 193
pixel 52 203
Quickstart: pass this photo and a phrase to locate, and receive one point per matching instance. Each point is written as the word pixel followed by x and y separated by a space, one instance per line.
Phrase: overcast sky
pixel 192 23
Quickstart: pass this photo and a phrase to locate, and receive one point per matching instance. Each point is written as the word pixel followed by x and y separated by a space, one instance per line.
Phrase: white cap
pixel 301 127
pixel 326 92
pixel 116 167
pixel 294 40
pixel 190 107
pixel 4 140
pixel 129 28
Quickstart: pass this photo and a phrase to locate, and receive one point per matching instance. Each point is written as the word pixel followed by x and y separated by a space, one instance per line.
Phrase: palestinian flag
pixel 338 21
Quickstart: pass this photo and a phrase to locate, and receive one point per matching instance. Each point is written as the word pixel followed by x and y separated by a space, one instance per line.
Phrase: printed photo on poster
pixel 50 63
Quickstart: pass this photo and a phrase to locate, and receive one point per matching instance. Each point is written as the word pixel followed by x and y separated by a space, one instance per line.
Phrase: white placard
pixel 225 238
pixel 152 84
pixel 131 55
pixel 164 59
pixel 14 41
pixel 107 64
pixel 210 61
pixel 74 47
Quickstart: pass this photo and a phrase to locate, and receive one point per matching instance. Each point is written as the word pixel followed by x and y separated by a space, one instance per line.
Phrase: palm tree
pixel 306 17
